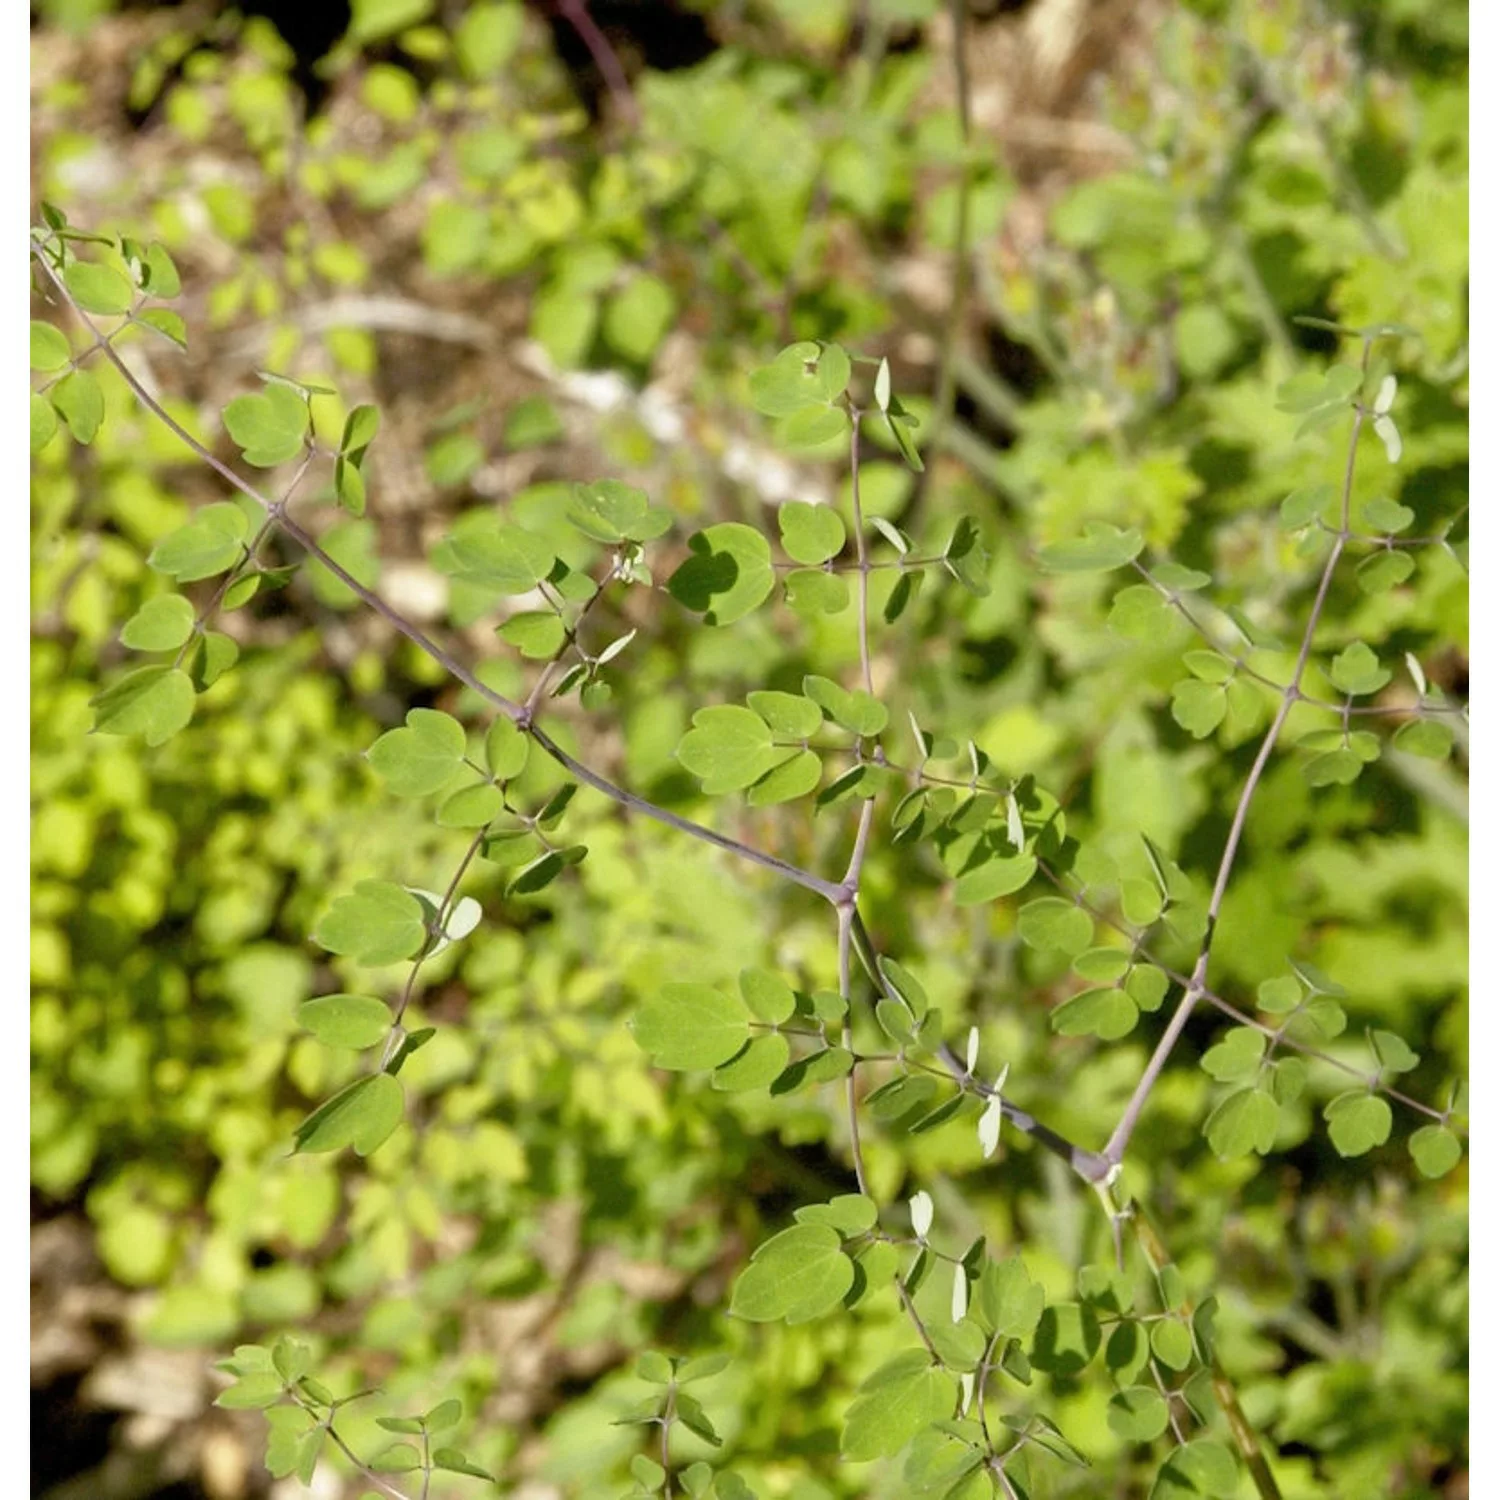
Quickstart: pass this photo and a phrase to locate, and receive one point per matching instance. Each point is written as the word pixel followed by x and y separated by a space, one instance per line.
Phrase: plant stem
pixel 1196 987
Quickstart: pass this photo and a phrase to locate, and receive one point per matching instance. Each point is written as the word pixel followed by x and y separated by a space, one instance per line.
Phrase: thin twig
pixel 1114 1151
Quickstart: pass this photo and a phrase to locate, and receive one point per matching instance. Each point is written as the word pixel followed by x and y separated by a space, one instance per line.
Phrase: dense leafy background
pixel 467 221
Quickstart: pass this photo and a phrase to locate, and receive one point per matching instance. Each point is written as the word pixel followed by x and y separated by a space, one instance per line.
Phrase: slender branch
pixel 1114 1151
pixel 371 600
pixel 1089 1165
pixel 1233 1011
pixel 606 59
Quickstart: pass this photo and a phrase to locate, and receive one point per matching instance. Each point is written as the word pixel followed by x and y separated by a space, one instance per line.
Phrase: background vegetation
pixel 546 271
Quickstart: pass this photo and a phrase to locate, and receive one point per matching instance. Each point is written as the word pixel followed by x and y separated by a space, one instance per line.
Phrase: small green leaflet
pixel 690 1026
pixel 729 748
pixel 268 428
pixel 728 575
pixel 160 624
pixel 757 1065
pixel 80 403
pixel 211 543
pixel 1435 1149
pixel 1357 1122
pixel 1101 549
pixel 1138 1414
pixel 98 289
pixel 611 512
pixel 422 757
pixel 904 1396
pixel 1052 924
pixel 810 534
pixel 1246 1121
pixel 495 555
pixel 1202 1467
pixel 804 375
pixel 353 1021
pixel 798 1275
pixel 50 349
pixel 156 702
pixel 362 1115
pixel 1357 671
pixel 378 924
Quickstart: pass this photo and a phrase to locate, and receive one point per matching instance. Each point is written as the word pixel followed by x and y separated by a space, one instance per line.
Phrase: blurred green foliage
pixel 553 1205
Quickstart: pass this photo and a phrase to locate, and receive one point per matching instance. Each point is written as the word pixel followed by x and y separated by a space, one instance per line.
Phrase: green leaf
pixel 769 996
pixel 472 807
pixel 850 1213
pixel 453 1461
pixel 1108 1014
pixel 1138 1414
pixel 1244 1122
pixel 362 1115
pixel 1356 671
pixel 98 289
pixel 1336 768
pixel 999 877
pixel 903 1397
pixel 1386 570
pixel 793 778
pixel 1138 612
pixel 638 316
pixel 1387 516
pixel 1425 737
pixel 444 1415
pixel 1279 995
pixel 690 1026
pixel 854 710
pixel 1237 1055
pixel 268 428
pixel 799 377
pixel 1308 504
pixel 1392 1052
pixel 1357 1122
pixel 789 715
pixel 161 278
pixel 421 757
pixel 1101 549
pixel 1435 1149
pixel 50 349
pixel 812 592
pixel 1172 1343
pixel 810 534
pixel 1198 706
pixel 757 1065
pixel 728 575
pixel 505 750
pixel 1202 1467
pixel 380 923
pixel 160 624
pixel 210 543
pixel 253 1393
pixel 612 512
pixel 497 556
pixel 798 1275
pixel 728 748
pixel 968 559
pixel 156 702
pixel 43 422
pixel 354 1021
pixel 1102 965
pixel 80 403
pixel 1007 1302
pixel 1052 924
pixel 537 634
pixel 1067 1338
